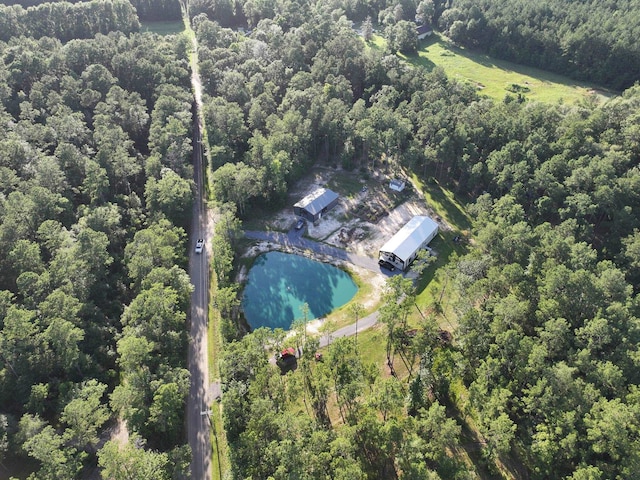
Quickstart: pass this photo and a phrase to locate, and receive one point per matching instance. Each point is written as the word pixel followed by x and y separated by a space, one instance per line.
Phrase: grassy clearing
pixel 214 340
pixel 220 456
pixel 445 204
pixel 348 185
pixel 371 346
pixel 434 293
pixel 497 78
pixel 163 27
pixel 434 286
pixel 220 453
pixel 371 349
pixel 377 43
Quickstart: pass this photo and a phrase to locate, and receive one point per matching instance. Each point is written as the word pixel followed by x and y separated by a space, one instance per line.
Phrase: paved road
pixel 350 330
pixel 198 402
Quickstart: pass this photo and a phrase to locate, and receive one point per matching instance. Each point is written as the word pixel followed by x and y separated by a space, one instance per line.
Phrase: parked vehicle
pixel 387 265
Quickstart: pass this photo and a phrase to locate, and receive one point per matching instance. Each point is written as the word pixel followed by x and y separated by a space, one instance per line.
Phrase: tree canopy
pixel 96 191
pixel 95 194
pixel 587 40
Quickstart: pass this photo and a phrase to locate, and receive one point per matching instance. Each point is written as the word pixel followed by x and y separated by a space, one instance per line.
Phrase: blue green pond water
pixel 280 283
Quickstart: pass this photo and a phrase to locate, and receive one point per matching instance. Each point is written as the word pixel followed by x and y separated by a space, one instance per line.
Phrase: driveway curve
pixel 350 330
pixel 295 239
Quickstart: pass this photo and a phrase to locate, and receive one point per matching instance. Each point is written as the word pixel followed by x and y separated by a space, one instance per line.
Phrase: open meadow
pixel 497 78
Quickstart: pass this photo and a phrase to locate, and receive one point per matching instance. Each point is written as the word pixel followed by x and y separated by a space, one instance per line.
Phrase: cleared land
pixel 497 78
pixel 163 27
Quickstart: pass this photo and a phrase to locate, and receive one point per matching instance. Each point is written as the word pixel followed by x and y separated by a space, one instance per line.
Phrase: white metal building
pixel 403 247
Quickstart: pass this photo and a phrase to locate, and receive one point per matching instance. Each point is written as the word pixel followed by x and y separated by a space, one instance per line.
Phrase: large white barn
pixel 403 247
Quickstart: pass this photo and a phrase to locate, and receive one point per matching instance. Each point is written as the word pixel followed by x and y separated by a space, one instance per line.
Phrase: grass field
pixel 163 27
pixel 497 78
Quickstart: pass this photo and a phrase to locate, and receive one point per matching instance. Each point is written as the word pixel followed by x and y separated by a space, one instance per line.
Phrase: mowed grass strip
pixel 163 27
pixel 497 78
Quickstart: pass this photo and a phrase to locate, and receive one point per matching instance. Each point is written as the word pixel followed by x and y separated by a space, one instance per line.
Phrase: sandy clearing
pixel 341 228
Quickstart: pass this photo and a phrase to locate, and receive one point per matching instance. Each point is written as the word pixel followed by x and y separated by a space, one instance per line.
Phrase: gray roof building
pixel 316 204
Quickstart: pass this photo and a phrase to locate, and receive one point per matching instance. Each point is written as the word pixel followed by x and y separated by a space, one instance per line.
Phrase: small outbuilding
pixel 404 246
pixel 287 360
pixel 397 185
pixel 316 204
pixel 424 31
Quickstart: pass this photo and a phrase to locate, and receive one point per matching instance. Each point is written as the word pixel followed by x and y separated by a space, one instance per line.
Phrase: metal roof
pixel 317 200
pixel 397 184
pixel 409 238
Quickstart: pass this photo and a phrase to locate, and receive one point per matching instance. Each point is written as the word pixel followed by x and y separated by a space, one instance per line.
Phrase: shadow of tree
pixel 446 249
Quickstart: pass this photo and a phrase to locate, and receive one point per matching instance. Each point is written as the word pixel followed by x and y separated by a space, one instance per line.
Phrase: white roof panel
pixel 409 238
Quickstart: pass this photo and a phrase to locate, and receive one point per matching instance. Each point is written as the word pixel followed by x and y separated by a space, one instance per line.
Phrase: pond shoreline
pixel 284 287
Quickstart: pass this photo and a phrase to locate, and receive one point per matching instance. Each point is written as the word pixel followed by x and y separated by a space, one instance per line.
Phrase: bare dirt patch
pixel 365 238
pixel 361 222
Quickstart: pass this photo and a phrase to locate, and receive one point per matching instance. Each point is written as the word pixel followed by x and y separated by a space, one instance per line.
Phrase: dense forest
pixel 65 21
pixel 146 10
pixel 95 204
pixel 95 196
pixel 587 40
pixel 545 358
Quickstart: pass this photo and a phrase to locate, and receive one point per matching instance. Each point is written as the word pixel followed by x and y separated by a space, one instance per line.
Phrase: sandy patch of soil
pixel 285 219
pixel 120 433
pixel 344 226
pixel 365 238
pixel 313 327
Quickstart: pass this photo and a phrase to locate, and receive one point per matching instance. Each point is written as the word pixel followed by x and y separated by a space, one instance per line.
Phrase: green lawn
pixel 348 185
pixel 497 78
pixel 444 202
pixel 163 27
pixel 434 288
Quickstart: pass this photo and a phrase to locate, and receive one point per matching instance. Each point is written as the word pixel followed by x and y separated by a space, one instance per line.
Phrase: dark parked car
pixel 300 224
pixel 387 265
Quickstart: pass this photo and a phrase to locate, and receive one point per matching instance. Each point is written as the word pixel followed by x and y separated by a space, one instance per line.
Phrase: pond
pixel 280 284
